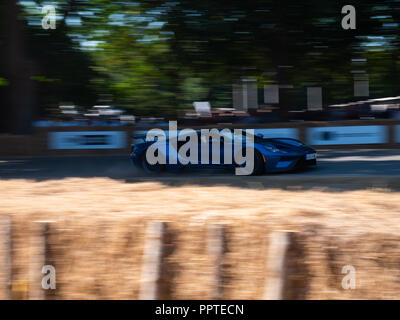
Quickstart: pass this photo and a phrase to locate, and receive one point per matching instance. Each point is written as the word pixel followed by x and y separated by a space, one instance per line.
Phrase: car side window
pixel 194 136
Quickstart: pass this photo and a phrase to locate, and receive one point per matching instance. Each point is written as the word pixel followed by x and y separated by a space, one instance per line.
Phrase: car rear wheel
pixel 152 168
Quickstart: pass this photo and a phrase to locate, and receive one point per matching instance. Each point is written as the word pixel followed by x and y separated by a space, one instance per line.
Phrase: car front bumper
pixel 288 163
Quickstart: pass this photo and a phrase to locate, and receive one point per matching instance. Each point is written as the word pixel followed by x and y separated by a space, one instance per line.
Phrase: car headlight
pixel 272 148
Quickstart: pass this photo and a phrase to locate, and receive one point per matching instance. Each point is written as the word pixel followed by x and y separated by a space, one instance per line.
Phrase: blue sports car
pixel 268 154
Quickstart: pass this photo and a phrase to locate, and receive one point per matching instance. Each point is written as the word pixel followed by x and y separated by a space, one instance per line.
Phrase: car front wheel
pixel 258 167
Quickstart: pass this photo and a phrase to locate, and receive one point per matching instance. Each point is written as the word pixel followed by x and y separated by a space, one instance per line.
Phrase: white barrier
pixel 266 133
pixel 347 135
pixel 338 135
pixel 87 140
pixel 397 134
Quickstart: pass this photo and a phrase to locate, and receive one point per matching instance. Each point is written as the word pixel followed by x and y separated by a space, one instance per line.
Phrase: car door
pixel 185 158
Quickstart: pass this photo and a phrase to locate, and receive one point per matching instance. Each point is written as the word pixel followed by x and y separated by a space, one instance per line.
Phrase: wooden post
pixel 152 261
pixel 216 251
pixel 5 258
pixel 277 265
pixel 38 258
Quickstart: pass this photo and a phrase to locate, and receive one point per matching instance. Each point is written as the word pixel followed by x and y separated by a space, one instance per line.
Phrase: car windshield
pixel 292 142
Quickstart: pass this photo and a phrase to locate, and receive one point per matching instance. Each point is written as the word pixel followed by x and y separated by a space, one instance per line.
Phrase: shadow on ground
pixel 337 170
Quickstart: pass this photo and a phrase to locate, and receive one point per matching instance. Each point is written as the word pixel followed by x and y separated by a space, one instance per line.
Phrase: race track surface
pixel 336 162
pixel 336 170
pixel 377 168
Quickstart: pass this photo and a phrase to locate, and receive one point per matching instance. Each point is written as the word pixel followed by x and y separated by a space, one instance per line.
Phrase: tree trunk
pixel 18 103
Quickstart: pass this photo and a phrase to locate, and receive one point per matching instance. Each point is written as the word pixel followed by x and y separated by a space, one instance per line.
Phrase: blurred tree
pixel 156 57
pixel 18 94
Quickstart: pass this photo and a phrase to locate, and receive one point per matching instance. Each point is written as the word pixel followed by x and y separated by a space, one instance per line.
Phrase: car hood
pixel 290 145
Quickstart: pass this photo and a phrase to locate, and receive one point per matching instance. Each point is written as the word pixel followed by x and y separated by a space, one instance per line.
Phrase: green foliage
pixel 3 82
pixel 157 57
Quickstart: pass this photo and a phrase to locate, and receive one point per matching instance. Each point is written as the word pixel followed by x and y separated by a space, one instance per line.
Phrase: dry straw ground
pixel 98 236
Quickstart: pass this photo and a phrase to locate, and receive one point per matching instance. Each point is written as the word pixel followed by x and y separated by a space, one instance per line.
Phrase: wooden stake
pixel 38 259
pixel 5 258
pixel 216 251
pixel 152 261
pixel 277 265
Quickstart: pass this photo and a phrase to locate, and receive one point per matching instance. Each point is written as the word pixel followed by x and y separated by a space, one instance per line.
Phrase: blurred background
pixel 253 61
pixel 72 96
